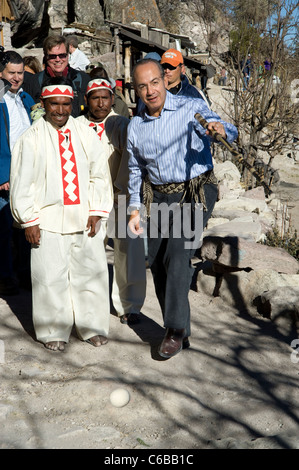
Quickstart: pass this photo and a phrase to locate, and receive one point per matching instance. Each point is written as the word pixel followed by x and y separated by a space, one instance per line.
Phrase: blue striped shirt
pixel 172 147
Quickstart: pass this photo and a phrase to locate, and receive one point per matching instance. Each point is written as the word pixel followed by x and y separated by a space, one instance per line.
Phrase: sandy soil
pixel 236 387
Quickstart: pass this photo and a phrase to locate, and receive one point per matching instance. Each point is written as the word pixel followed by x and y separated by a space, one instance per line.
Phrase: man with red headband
pixel 60 191
pixel 129 276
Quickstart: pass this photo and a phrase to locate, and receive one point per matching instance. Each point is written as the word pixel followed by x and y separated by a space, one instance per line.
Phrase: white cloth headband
pixel 99 83
pixel 57 90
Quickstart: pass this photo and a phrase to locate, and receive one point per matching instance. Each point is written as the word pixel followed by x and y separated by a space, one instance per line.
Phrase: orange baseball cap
pixel 172 57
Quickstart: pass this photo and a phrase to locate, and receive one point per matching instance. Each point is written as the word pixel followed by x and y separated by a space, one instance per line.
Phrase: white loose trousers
pixel 129 272
pixel 129 275
pixel 70 286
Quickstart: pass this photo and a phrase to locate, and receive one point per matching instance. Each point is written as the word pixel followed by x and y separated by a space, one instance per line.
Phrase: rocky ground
pixel 288 188
pixel 236 387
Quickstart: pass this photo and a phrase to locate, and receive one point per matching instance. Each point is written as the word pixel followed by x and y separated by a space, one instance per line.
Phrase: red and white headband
pixel 99 83
pixel 57 90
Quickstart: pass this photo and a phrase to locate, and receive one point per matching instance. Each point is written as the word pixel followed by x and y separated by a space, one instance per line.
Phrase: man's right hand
pixel 32 234
pixel 134 223
pixel 4 187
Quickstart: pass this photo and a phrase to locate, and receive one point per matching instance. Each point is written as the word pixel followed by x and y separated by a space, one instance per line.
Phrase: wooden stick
pixel 237 155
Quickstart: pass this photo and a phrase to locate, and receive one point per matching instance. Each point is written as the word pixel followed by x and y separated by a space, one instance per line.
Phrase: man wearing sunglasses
pixel 172 62
pixel 56 60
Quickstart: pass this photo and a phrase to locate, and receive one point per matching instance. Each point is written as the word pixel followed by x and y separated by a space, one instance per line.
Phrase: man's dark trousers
pixel 170 260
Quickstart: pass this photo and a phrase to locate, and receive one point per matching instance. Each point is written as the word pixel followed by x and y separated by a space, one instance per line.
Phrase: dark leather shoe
pixel 8 286
pixel 174 341
pixel 129 319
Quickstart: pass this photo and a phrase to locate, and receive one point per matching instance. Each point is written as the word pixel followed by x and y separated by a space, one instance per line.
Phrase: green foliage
pixel 244 39
pixel 289 241
pixel 140 441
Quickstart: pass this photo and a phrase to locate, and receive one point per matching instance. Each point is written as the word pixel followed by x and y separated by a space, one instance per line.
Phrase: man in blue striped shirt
pixel 170 149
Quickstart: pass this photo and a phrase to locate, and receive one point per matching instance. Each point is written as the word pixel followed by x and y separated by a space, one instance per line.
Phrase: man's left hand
pixel 216 127
pixel 94 224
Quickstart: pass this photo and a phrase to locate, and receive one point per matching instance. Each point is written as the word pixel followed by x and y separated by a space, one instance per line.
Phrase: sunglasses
pixel 169 67
pixel 53 56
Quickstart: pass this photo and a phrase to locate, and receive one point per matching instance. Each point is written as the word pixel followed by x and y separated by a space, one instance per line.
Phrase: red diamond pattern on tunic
pixel 69 169
pixel 98 127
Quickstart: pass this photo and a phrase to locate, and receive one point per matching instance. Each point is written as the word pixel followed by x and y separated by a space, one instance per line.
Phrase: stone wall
pixel 57 12
pixel 6 35
pixel 39 18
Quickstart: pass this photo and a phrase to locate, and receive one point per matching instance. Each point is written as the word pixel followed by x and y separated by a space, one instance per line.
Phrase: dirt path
pixel 236 387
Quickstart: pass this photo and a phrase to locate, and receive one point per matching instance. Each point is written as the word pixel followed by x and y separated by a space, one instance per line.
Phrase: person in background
pixel 203 78
pixel 56 57
pixel 77 59
pixel 119 105
pixel 119 93
pixel 93 65
pixel 60 191
pixel 129 273
pixel 172 62
pixel 223 77
pixel 14 120
pixel 246 70
pixel 32 64
pixel 153 55
pixel 267 65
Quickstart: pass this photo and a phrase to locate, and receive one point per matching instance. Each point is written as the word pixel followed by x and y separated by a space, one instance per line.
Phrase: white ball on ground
pixel 119 397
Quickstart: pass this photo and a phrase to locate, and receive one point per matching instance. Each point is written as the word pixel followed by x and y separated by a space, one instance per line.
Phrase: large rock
pixel 242 203
pixel 238 228
pixel 37 18
pixel 255 193
pixel 235 252
pixel 58 15
pixel 233 214
pixel 90 12
pixel 242 289
pixel 28 21
pixel 282 307
pixel 227 171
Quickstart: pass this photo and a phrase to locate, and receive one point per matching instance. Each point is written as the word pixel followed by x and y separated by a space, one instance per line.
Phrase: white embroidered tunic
pixel 112 132
pixel 59 177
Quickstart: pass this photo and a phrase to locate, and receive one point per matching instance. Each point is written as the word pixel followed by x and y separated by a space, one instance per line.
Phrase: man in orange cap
pixel 172 62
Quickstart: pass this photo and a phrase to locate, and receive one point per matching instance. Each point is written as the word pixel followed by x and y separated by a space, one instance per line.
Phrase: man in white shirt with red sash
pixel 60 190
pixel 129 274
